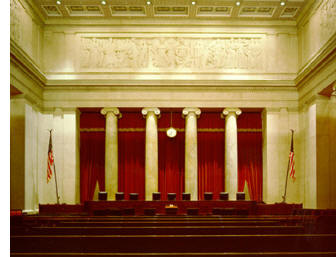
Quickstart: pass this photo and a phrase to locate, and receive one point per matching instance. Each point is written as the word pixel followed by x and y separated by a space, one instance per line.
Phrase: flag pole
pixel 57 197
pixel 284 196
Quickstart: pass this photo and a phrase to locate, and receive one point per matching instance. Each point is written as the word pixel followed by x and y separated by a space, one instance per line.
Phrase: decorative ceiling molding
pixel 202 9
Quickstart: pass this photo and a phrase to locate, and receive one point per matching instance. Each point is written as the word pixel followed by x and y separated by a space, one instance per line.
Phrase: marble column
pixel 191 182
pixel 111 151
pixel 151 162
pixel 231 151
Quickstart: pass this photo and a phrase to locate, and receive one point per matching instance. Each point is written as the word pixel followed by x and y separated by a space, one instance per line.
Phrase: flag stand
pixel 284 196
pixel 57 197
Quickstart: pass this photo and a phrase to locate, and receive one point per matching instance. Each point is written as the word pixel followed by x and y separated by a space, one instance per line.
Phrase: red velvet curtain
pixel 131 154
pixel 210 154
pixel 250 154
pixel 171 156
pixel 92 155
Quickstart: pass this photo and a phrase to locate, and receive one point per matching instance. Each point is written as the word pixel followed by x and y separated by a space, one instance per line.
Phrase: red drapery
pixel 131 154
pixel 250 155
pixel 92 155
pixel 171 156
pixel 210 155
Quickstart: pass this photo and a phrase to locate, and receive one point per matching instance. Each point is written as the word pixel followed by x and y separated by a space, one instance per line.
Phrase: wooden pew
pixel 173 243
pixel 171 230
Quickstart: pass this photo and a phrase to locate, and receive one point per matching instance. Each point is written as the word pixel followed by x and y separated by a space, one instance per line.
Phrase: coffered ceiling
pixel 188 9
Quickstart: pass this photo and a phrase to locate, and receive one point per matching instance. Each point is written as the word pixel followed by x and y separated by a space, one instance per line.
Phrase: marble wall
pixel 277 123
pixel 26 30
pixel 29 148
pixel 66 155
pixel 17 154
pixel 318 123
pixel 316 29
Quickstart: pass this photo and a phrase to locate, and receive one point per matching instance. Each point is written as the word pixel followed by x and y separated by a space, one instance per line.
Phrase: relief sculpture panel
pixel 16 11
pixel 328 18
pixel 172 53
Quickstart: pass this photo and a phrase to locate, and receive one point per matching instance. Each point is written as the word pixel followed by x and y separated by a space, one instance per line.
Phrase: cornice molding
pixel 322 57
pixel 33 11
pixel 166 82
pixel 27 64
pixel 307 12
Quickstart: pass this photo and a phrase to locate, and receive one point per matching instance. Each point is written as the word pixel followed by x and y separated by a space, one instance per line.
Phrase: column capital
pixel 112 110
pixel 227 111
pixel 147 110
pixel 188 110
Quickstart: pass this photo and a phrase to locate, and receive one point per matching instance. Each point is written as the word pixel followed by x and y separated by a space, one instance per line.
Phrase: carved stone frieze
pixel 328 18
pixel 171 53
pixel 16 11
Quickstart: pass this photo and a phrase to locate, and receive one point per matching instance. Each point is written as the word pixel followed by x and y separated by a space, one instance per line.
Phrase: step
pixel 249 254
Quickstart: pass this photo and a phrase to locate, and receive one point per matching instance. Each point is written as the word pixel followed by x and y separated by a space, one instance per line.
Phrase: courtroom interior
pixel 166 127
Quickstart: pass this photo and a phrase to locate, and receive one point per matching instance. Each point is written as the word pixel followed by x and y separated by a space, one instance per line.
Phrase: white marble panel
pixel 310 200
pixel 31 174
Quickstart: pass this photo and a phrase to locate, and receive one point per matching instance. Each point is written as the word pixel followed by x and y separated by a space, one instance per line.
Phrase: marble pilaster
pixel 191 182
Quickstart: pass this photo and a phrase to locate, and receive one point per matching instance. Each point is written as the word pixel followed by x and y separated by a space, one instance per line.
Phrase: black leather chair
pixel 240 196
pixel 171 196
pixel 186 196
pixel 102 196
pixel 119 196
pixel 208 195
pixel 224 196
pixel 134 196
pixel 156 196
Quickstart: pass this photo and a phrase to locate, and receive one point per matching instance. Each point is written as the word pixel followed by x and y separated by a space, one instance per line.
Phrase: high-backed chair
pixel 240 196
pixel 119 196
pixel 134 196
pixel 208 195
pixel 102 196
pixel 156 196
pixel 171 196
pixel 186 196
pixel 224 196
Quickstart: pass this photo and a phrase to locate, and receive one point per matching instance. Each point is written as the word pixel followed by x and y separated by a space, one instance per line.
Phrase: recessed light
pixel 282 3
pixel 237 3
pixel 148 2
pixel 58 2
pixel 103 2
pixel 193 2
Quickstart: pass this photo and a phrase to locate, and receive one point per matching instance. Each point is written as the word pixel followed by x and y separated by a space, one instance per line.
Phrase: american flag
pixel 50 160
pixel 292 161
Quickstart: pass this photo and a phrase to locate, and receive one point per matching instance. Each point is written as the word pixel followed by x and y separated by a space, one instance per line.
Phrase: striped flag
pixel 292 161
pixel 50 160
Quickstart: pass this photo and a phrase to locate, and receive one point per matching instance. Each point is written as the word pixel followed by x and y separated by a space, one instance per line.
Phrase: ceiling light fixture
pixel 148 2
pixel 193 2
pixel 282 3
pixel 237 3
pixel 58 2
pixel 103 2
